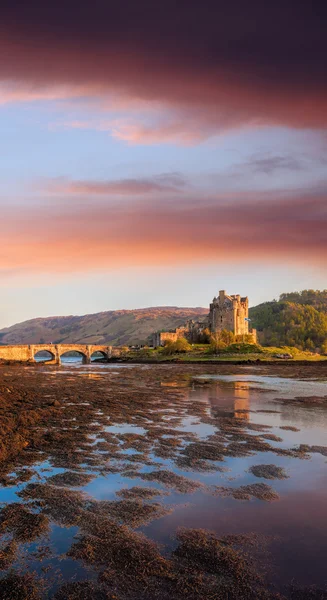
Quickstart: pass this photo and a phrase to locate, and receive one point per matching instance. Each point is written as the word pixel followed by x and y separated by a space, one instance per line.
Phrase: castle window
pixel 221 319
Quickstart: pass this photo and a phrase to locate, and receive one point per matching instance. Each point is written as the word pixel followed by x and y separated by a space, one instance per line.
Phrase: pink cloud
pixel 170 133
pixel 166 182
pixel 290 228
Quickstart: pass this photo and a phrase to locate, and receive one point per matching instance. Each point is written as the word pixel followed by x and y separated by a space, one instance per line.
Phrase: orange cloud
pixel 291 228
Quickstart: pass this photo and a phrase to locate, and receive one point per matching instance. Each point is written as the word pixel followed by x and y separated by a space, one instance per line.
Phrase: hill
pixel 117 327
pixel 296 319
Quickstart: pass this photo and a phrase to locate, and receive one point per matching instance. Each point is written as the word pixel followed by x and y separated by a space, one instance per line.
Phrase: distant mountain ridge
pixel 115 327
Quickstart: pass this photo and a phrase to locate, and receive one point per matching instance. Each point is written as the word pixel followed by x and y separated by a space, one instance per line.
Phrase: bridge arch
pixel 66 350
pixel 36 350
pixel 98 355
pixel 100 351
pixel 73 353
pixel 44 355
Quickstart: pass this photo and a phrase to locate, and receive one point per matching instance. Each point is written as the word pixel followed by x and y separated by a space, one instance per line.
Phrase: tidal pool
pixel 171 481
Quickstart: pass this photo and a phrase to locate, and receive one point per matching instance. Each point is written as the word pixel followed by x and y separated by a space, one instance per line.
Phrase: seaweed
pixel 313 449
pixel 62 505
pixel 70 479
pixel 261 491
pixel 8 553
pixel 171 480
pixel 19 587
pixel 23 524
pixel 289 428
pixel 131 512
pixel 268 472
pixel 141 492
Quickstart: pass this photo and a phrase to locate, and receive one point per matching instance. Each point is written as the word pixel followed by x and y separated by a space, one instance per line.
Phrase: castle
pixel 229 313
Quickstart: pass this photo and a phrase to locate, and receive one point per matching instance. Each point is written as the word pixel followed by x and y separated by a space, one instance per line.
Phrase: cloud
pixel 206 67
pixel 170 132
pixel 166 182
pixel 270 164
pixel 16 93
pixel 144 129
pixel 260 227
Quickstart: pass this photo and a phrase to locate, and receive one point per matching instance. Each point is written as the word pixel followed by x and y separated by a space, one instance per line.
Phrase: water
pixel 66 359
pixel 296 524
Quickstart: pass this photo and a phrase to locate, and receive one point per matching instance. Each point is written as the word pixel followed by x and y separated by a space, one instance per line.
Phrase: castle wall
pixel 161 337
pixel 168 336
pixel 229 312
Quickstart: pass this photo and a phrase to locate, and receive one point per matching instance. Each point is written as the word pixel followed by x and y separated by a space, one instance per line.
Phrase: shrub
pixel 180 346
pixel 220 339
pixel 240 348
pixel 224 336
pixel 292 350
pixel 216 347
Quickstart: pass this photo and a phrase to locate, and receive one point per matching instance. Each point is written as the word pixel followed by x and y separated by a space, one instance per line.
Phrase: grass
pixel 235 352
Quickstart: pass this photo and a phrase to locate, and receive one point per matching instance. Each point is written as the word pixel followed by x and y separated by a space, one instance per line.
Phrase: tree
pixel 298 319
pixel 220 339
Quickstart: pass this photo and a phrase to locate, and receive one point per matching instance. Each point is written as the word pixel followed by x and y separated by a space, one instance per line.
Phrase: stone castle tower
pixel 226 312
pixel 230 313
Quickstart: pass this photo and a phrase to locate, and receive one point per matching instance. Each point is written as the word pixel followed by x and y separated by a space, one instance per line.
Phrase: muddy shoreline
pixel 179 361
pixel 155 438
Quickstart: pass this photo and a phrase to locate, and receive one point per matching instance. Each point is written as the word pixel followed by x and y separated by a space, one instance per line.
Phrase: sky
pixel 152 153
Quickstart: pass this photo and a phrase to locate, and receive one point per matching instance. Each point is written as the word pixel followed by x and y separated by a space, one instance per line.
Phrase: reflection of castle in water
pixel 229 396
pixel 242 400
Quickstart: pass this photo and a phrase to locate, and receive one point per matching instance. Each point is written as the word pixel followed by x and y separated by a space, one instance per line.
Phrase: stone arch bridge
pixel 26 353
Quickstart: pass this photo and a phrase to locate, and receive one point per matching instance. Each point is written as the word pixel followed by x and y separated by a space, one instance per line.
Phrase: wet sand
pixel 163 481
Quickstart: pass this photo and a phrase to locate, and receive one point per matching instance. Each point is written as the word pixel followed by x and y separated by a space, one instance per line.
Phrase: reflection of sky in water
pixel 299 517
pixel 258 393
